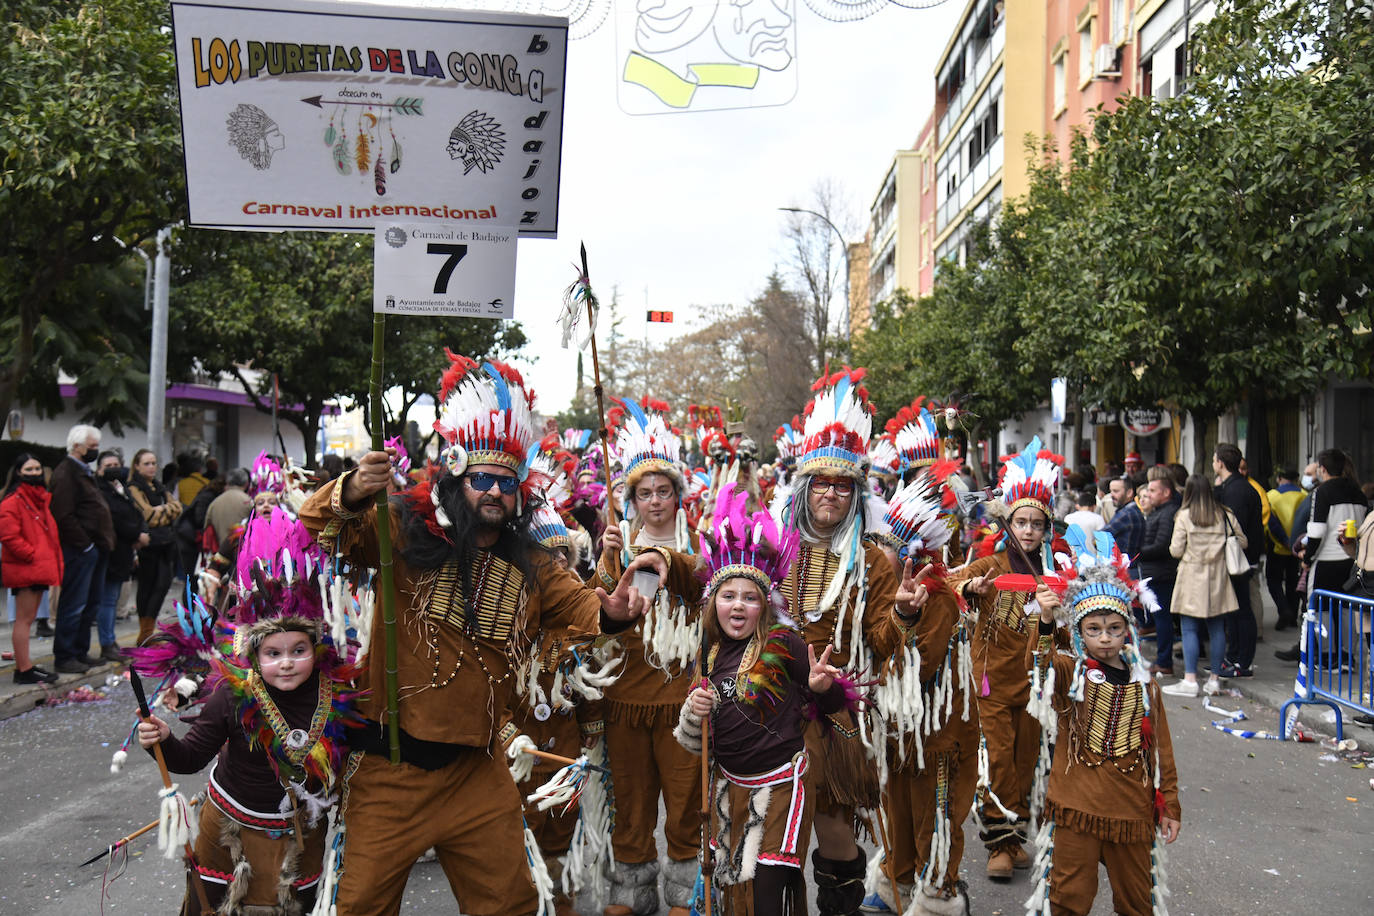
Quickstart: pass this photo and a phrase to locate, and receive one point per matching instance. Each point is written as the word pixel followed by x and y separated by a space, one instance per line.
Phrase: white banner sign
pixel 345 116
pixel 434 269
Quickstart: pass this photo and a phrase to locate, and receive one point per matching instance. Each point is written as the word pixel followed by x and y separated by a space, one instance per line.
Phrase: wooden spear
pixel 708 861
pixel 600 395
pixel 393 718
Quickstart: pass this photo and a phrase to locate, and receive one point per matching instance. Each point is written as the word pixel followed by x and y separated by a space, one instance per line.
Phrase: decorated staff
pixel 581 292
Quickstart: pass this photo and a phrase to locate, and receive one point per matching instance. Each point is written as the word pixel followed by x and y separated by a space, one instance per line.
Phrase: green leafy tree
pixel 90 150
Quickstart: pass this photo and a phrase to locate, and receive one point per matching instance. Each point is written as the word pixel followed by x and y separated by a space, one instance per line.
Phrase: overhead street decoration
pixel 346 116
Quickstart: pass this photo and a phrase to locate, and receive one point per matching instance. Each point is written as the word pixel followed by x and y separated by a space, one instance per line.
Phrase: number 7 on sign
pixel 455 254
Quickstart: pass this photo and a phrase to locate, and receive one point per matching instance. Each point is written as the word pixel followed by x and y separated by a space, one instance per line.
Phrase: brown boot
pixel 1020 859
pixel 679 911
pixel 1000 864
pixel 146 626
pixel 617 909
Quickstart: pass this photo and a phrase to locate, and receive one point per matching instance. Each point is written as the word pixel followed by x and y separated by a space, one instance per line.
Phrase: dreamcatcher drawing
pixel 372 146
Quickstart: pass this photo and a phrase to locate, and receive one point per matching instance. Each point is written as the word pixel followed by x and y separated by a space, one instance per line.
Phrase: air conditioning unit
pixel 1107 61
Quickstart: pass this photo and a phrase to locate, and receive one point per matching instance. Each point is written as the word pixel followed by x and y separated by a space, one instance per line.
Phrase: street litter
pixel 1239 716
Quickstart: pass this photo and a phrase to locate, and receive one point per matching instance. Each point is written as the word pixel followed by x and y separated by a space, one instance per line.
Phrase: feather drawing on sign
pixel 477 142
pixel 373 149
pixel 255 135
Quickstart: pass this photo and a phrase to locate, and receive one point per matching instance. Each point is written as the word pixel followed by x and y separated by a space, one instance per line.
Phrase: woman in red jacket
pixel 32 557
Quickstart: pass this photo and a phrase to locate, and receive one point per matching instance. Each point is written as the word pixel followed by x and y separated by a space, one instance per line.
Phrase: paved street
pixel 1268 826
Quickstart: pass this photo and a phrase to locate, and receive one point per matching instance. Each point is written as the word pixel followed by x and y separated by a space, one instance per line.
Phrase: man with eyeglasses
pixel 842 593
pixel 474 589
pixel 1012 735
pixel 641 707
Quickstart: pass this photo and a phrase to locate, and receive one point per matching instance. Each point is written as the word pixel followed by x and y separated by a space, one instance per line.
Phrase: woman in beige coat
pixel 1202 591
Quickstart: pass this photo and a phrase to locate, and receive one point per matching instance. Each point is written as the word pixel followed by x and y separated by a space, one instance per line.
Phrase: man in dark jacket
pixel 1234 492
pixel 131 532
pixel 86 532
pixel 1157 564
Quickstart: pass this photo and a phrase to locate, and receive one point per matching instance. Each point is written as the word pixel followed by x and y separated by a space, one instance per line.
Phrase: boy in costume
pixel 1011 735
pixel 926 698
pixel 1113 789
pixel 473 588
pixel 641 707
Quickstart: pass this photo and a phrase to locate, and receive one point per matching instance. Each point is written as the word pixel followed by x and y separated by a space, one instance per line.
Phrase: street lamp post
pixel 844 249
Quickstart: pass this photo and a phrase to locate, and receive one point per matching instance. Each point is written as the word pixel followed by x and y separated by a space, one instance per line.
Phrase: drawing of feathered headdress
pixel 838 424
pixel 748 546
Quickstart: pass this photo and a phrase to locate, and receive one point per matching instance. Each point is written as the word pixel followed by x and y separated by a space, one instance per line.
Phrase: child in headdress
pixel 1113 790
pixel 762 682
pixel 274 727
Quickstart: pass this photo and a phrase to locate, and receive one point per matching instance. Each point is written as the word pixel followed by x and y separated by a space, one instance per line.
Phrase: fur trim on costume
pixel 679 879
pixel 589 851
pixel 738 859
pixel 688 730
pixel 927 903
pixel 634 886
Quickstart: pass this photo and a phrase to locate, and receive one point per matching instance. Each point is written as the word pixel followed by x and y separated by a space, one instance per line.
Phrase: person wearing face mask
pixel 32 557
pixel 87 534
pixel 161 509
pixel 131 533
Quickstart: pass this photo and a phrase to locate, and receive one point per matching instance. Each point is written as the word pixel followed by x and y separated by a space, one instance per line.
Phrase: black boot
pixel 839 885
pixel 44 629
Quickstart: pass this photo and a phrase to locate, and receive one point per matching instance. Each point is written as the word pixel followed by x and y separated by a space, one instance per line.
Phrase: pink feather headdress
pixel 749 546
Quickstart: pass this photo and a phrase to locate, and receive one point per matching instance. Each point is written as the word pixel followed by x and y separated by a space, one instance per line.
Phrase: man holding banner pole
pixel 473 589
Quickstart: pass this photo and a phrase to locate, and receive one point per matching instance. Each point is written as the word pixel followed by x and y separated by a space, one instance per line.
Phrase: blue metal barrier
pixel 1335 667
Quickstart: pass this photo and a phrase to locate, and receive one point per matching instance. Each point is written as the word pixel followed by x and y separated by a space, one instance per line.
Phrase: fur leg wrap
pixel 936 903
pixel 839 885
pixel 634 886
pixel 679 880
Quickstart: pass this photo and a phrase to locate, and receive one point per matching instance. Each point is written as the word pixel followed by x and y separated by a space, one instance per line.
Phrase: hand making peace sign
pixel 911 593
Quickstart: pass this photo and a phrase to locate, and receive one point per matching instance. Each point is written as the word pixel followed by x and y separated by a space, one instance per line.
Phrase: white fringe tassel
pixel 175 828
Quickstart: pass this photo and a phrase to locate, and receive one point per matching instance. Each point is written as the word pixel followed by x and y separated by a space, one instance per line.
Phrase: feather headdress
pixel 645 442
pixel 267 476
pixel 1103 584
pixel 915 436
pixel 1030 478
pixel 749 546
pixel 917 517
pixel 883 457
pixel 789 442
pixel 485 416
pixel 838 425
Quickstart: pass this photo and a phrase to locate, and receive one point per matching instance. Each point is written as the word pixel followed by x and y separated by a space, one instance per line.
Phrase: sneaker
pixel 1212 687
pixel 1156 671
pixel 34 675
pixel 1289 655
pixel 88 661
pixel 1229 671
pixel 71 666
pixel 44 630
pixel 1182 689
pixel 874 904
pixel 111 653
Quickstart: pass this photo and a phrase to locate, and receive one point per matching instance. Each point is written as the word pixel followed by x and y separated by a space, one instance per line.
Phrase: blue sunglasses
pixel 481 482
